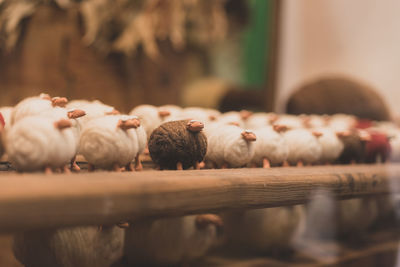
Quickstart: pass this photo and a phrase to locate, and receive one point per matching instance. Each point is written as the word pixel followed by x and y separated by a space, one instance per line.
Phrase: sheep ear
pixel 273 118
pixel 62 124
pixel 343 134
pixel 280 128
pixel 164 113
pixel 317 133
pixel 113 112
pixel 245 114
pixel 76 113
pixel 59 101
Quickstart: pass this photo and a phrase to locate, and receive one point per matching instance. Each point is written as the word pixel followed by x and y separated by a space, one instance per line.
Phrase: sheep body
pixel 70 247
pixel 263 230
pixel 269 145
pixel 303 146
pixel 34 143
pixel 172 143
pixel 104 144
pixel 167 241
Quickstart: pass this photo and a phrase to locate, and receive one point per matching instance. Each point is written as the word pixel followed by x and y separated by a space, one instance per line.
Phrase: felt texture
pixel 103 144
pixel 303 146
pixel 167 241
pixel 172 142
pixel 270 145
pixel 34 143
pixel 70 247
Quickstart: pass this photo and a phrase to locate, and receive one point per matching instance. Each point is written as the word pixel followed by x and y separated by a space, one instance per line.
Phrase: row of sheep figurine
pixel 43 133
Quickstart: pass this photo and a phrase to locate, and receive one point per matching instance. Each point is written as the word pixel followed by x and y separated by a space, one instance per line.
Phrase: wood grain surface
pixel 33 201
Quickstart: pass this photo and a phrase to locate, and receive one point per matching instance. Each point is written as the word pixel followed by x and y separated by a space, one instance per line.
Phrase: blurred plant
pixel 125 25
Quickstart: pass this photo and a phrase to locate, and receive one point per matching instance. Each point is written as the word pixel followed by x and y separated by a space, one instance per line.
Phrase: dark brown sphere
pixel 330 95
pixel 172 142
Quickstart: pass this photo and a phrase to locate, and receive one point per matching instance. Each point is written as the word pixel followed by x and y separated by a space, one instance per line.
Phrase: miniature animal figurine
pixel 110 142
pixel 229 146
pixel 331 145
pixel 260 120
pixel 266 230
pixel 378 147
pixel 195 113
pixel 141 139
pixel 37 105
pixel 354 142
pixel 270 148
pixel 150 117
pixel 170 241
pixel 234 117
pixel 304 148
pixel 94 109
pixel 178 145
pixel 170 112
pixel 290 121
pixel 342 122
pixel 70 247
pixel 37 143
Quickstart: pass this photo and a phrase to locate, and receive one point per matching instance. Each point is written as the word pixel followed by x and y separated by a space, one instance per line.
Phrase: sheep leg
pixel 146 151
pixel 266 163
pixel 129 167
pixel 224 166
pixel 285 164
pixel 138 163
pixel 196 166
pixel 74 166
pixel 179 166
pixel 300 164
pixel 203 220
pixel 117 168
pixel 214 165
pixel 91 167
pixel 47 170
pixel 353 162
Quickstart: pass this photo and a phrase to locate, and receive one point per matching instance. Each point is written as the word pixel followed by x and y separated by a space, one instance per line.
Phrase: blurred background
pixel 225 54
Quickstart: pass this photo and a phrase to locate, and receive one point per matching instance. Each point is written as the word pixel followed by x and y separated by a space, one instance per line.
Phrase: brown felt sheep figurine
pixel 178 145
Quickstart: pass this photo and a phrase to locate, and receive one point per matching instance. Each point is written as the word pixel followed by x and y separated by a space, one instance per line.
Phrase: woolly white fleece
pixel 270 145
pixel 226 145
pixel 290 121
pixel 34 143
pixel 30 106
pixel 103 144
pixel 149 117
pixel 303 146
pixel 259 120
pixel 6 112
pixel 331 145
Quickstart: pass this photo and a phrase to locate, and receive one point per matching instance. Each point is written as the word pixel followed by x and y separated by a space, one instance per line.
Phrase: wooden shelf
pixel 33 201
